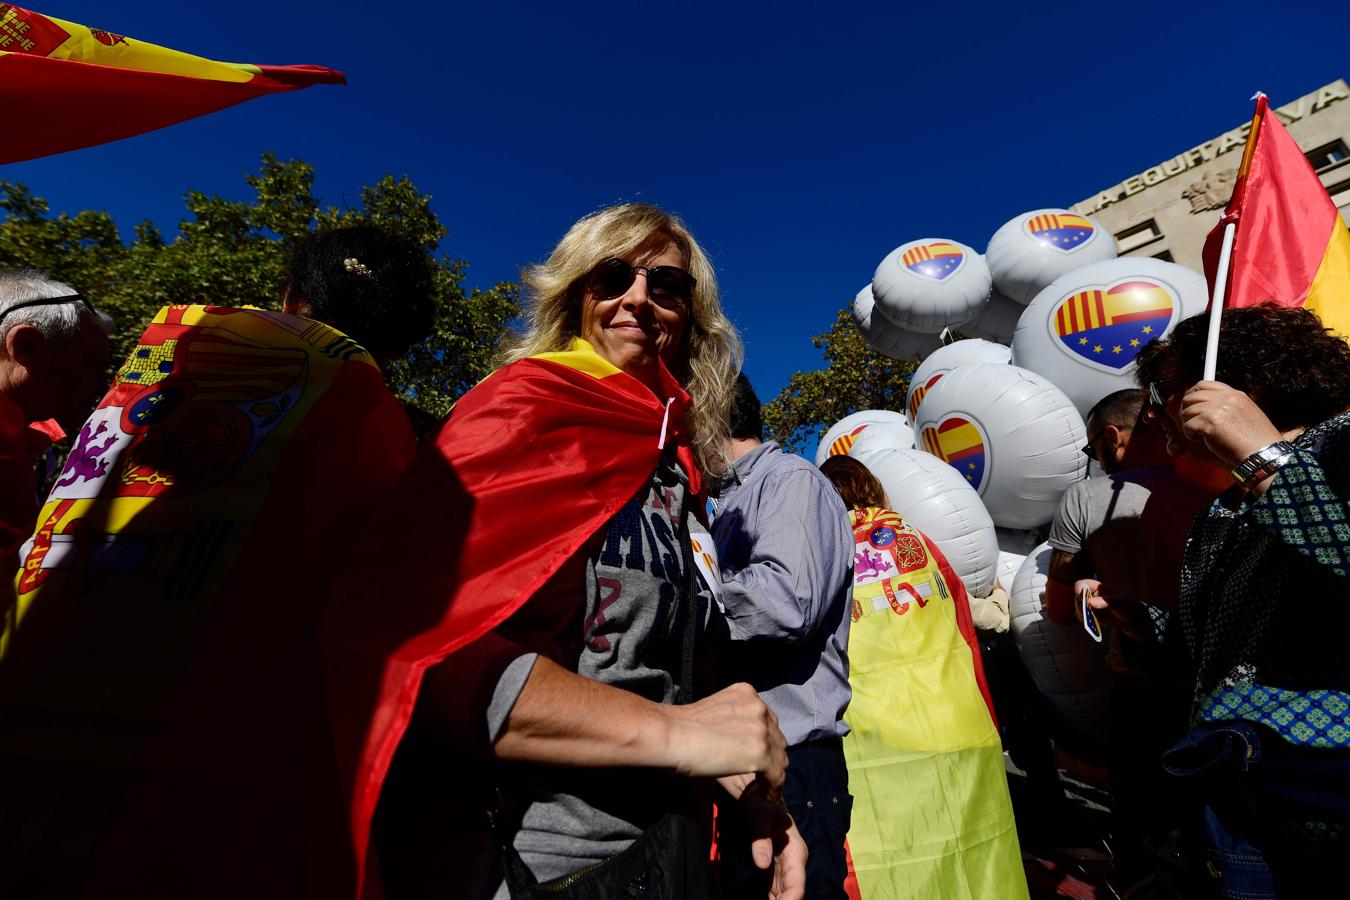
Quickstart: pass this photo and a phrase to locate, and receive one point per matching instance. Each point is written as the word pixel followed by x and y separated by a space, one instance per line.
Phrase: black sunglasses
pixel 1158 395
pixel 669 287
pixel 49 301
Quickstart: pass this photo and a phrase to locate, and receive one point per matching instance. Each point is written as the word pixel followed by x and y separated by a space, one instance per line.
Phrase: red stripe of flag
pixel 1101 307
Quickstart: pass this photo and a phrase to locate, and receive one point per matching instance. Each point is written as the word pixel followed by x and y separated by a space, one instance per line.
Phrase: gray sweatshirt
pixel 786 552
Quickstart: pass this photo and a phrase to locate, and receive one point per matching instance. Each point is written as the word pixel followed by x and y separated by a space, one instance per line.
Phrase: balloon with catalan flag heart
pixel 883 335
pixel 1035 248
pixel 1084 330
pixel 930 284
pixel 940 362
pixel 68 86
pixel 839 438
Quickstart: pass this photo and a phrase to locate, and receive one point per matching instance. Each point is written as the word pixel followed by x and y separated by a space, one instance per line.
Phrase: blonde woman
pixel 555 609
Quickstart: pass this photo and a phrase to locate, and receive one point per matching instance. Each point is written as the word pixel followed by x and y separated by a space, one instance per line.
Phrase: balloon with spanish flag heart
pixel 1085 329
pixel 1035 248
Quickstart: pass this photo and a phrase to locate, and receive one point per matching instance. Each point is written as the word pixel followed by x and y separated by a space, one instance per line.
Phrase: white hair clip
pixel 356 267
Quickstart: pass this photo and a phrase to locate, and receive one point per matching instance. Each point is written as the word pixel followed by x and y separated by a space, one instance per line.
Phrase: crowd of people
pixel 597 637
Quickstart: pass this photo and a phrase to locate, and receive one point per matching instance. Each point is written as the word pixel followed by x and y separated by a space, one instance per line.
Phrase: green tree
pixel 231 253
pixel 855 377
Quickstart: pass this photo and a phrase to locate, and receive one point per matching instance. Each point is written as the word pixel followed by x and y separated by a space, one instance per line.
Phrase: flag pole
pixel 1216 302
pixel 1230 220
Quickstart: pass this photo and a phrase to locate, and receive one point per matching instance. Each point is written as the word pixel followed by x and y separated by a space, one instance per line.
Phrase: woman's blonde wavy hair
pixel 713 348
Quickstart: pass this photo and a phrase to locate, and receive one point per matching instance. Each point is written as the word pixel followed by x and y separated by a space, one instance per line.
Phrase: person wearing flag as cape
pixel 1263 582
pixel 524 638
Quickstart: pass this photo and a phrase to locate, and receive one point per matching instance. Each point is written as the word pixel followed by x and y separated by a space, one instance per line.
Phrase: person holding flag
pixel 1264 578
pixel 526 637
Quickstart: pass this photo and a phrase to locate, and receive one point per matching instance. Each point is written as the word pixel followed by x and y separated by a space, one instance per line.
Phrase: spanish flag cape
pixel 564 438
pixel 68 86
pixel 932 819
pixel 172 592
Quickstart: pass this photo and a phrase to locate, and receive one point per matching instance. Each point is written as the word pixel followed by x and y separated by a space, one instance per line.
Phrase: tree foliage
pixel 855 377
pixel 232 253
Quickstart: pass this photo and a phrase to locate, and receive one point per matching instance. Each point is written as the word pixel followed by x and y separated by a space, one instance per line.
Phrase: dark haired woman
pixel 1264 584
pixel 931 816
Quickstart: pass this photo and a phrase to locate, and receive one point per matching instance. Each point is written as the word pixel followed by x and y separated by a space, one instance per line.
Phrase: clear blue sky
pixel 801 141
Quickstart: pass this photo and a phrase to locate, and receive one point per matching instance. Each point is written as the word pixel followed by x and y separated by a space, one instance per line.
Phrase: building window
pixel 1136 236
pixel 1328 156
pixel 1165 256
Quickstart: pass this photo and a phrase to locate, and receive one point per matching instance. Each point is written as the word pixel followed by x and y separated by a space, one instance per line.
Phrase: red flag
pixel 1291 246
pixel 69 86
pixel 531 464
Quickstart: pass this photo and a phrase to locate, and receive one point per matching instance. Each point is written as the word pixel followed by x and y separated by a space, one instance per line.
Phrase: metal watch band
pixel 1263 463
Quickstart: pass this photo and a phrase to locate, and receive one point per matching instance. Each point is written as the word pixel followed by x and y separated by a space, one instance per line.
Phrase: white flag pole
pixel 1216 302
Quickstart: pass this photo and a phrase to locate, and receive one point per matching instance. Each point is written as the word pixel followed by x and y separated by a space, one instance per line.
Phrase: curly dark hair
pixel 384 300
pixel 854 482
pixel 1295 369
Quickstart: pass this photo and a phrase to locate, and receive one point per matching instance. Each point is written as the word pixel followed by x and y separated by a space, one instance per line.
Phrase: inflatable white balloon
pixel 929 284
pixel 839 437
pixel 939 503
pixel 1035 248
pixel 885 336
pixel 1008 564
pixel 1011 434
pixel 1084 330
pixel 997 321
pixel 943 360
pixel 882 436
pixel 1067 666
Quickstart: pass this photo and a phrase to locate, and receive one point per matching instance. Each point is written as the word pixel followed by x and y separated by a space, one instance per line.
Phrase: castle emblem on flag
pixel 1107 328
pixel 937 260
pixel 960 442
pixel 1065 232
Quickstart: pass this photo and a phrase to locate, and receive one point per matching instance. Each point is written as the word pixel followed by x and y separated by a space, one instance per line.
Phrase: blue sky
pixel 801 142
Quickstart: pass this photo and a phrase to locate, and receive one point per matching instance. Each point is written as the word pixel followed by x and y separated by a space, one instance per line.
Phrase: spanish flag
pixel 531 463
pixel 68 86
pixel 163 652
pixel 932 818
pixel 1290 247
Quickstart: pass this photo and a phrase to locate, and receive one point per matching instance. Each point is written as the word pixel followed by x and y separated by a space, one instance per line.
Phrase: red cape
pixel 458 545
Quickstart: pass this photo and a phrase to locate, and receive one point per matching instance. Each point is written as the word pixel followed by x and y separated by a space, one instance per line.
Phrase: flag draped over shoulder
pixel 1291 246
pixel 166 621
pixel 68 86
pixel 531 463
pixel 932 818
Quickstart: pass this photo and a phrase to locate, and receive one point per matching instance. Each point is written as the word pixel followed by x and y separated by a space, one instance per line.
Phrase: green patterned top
pixel 1264 589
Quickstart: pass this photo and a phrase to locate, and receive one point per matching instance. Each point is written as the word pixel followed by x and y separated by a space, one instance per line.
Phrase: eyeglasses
pixel 1159 395
pixel 669 287
pixel 49 301
pixel 1090 451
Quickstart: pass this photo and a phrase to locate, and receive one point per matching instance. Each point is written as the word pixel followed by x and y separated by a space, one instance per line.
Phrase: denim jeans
pixel 1275 814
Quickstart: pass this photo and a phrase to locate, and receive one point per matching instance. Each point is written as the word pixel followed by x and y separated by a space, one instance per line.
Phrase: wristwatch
pixel 1263 463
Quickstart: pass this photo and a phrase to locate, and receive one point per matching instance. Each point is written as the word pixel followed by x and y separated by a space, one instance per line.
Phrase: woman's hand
pixel 732 732
pixel 1226 420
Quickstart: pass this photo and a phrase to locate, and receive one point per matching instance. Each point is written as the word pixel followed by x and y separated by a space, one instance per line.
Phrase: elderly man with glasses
pixel 53 353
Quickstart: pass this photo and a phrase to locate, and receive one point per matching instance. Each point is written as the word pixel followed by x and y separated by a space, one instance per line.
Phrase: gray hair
pixel 56 321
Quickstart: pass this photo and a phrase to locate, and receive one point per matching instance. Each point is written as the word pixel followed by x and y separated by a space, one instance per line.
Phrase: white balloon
pixel 929 284
pixel 943 360
pixel 1067 666
pixel 1011 434
pixel 882 436
pixel 1037 247
pixel 1084 330
pixel 997 321
pixel 939 503
pixel 1008 564
pixel 1020 541
pixel 884 336
pixel 840 436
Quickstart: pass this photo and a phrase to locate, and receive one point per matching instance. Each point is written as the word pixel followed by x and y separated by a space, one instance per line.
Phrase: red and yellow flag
pixel 68 86
pixel 1290 247
pixel 932 818
pixel 561 438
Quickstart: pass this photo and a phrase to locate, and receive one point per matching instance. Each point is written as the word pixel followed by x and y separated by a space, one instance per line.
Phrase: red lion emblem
pixel 107 37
